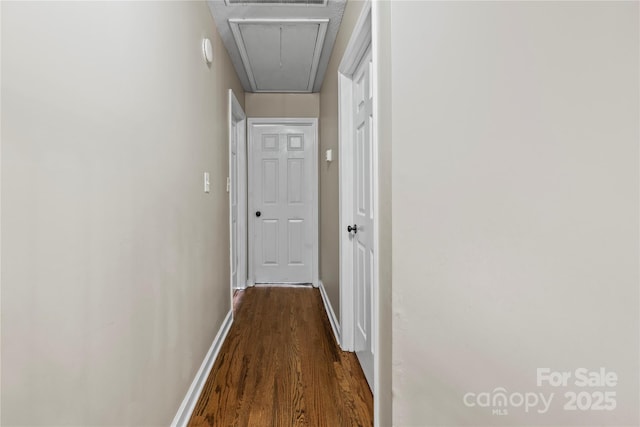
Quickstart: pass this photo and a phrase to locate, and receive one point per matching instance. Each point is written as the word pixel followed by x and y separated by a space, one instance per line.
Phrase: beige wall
pixel 515 204
pixel 282 104
pixel 115 262
pixel 329 188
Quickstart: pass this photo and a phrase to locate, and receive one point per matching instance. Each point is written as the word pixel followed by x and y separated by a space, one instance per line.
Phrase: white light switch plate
pixel 207 184
pixel 228 184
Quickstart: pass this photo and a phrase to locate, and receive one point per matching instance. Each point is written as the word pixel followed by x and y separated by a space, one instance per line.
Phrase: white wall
pixel 115 262
pixel 515 204
pixel 381 43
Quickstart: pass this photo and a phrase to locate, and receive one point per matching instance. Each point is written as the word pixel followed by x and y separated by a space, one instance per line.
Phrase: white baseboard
pixel 333 320
pixel 189 403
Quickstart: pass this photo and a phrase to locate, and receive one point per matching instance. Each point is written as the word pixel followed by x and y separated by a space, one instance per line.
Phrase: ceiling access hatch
pixel 277 2
pixel 280 55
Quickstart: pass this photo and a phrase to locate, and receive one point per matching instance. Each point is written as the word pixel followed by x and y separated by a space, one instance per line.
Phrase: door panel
pixel 361 296
pixel 269 242
pixel 234 204
pixel 295 142
pixel 295 249
pixel 270 142
pixel 281 190
pixel 361 170
pixel 270 181
pixel 295 181
pixel 363 216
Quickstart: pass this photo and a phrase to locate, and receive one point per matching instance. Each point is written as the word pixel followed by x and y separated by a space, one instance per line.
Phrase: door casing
pixel 237 119
pixel 313 122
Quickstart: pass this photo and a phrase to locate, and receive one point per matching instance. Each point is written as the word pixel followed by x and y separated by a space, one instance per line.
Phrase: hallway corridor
pixel 280 366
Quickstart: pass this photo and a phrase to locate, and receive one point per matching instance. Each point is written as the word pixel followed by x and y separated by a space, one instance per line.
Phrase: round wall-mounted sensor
pixel 207 51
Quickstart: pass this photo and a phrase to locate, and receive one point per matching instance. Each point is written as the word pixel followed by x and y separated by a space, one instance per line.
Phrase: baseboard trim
pixel 191 398
pixel 333 320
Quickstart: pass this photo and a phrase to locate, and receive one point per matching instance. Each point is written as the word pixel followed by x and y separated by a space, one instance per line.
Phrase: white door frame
pixel 237 116
pixel 361 40
pixel 313 122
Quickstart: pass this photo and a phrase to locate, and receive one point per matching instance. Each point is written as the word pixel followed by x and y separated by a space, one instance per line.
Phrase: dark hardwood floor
pixel 280 366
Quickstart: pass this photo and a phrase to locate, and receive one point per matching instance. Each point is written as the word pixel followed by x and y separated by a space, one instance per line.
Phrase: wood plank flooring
pixel 280 366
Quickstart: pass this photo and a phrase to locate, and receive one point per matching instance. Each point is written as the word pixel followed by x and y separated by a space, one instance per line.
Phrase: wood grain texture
pixel 280 366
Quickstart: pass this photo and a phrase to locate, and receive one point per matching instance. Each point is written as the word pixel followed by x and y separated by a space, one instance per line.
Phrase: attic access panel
pixel 280 55
pixel 277 2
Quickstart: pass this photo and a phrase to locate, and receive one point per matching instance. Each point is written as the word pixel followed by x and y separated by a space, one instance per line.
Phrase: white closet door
pixel 362 229
pixel 282 194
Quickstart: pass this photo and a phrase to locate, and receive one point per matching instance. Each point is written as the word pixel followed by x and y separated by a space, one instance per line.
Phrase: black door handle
pixel 354 228
pixel 258 213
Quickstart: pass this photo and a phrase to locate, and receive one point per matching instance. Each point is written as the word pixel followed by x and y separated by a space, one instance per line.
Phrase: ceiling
pixel 279 46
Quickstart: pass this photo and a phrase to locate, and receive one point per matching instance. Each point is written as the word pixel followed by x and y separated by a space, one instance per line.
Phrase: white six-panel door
pixel 362 229
pixel 282 196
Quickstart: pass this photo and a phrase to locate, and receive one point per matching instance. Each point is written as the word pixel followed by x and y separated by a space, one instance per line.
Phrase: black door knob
pixel 258 213
pixel 354 228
